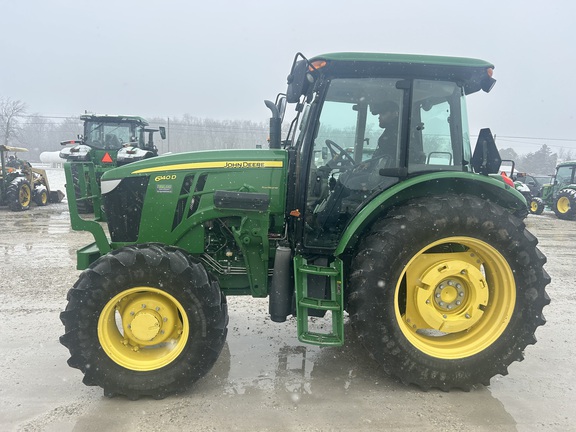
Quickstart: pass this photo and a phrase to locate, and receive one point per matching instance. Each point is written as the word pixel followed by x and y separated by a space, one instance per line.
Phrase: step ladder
pixel 334 305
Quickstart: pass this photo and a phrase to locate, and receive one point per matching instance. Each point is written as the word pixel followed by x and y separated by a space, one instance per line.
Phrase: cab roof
pixel 114 118
pixel 474 74
pixel 413 59
pixel 566 163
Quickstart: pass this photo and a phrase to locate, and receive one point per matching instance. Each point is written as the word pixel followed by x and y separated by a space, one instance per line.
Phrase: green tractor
pixel 403 232
pixel 560 194
pixel 21 184
pixel 108 141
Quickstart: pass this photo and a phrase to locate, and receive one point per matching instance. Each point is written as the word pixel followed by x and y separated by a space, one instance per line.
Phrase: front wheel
pixel 536 205
pixel 446 292
pixel 144 320
pixel 565 204
pixel 41 195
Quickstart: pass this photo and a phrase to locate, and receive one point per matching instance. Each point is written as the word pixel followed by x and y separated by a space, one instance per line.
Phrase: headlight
pixel 109 185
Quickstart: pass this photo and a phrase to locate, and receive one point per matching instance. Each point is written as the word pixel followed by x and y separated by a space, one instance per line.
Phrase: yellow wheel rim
pixel 24 195
pixel 44 198
pixel 143 328
pixel 533 206
pixel 563 205
pixel 455 304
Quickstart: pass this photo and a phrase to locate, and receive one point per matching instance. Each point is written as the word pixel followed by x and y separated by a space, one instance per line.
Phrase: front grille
pixel 123 208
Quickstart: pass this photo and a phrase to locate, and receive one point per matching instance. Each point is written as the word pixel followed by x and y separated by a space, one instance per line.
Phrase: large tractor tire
pixel 537 205
pixel 447 291
pixel 565 204
pixel 144 320
pixel 84 205
pixel 19 194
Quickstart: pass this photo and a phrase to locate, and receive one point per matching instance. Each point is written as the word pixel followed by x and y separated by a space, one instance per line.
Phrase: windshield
pixel 565 175
pixel 110 135
pixel 359 145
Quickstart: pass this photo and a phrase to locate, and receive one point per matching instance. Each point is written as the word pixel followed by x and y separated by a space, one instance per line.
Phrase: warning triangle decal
pixel 107 158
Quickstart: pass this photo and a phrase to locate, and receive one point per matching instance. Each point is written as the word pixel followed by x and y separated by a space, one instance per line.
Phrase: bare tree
pixel 509 153
pixel 565 154
pixel 10 112
pixel 542 161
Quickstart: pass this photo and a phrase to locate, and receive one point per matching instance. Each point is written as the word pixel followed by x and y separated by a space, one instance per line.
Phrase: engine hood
pixel 204 160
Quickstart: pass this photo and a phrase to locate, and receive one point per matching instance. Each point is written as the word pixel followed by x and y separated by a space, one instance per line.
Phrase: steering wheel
pixel 336 150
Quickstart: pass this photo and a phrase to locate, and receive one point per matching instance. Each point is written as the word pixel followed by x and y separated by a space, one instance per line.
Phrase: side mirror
pixel 298 80
pixel 162 130
pixel 486 158
pixel 487 84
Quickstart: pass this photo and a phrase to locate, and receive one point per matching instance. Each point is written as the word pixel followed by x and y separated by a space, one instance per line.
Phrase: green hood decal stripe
pixel 208 165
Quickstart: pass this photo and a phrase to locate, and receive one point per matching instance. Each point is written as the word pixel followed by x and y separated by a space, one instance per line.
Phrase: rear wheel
pixel 447 291
pixel 144 321
pixel 19 194
pixel 565 204
pixel 536 205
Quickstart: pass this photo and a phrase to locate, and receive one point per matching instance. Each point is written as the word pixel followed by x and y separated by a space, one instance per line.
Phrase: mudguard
pixel 430 185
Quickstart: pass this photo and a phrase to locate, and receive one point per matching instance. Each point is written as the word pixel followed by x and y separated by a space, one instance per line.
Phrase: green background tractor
pixel 560 194
pixel 108 141
pixel 371 209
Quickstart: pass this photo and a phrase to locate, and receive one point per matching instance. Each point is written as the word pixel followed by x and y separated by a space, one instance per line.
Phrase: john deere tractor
pixel 108 141
pixel 21 184
pixel 404 233
pixel 560 194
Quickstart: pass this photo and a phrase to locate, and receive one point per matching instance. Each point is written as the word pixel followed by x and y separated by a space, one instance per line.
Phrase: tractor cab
pixel 371 122
pixel 108 141
pixel 113 140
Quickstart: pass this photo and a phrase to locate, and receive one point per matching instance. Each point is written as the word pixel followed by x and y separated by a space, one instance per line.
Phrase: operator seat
pixel 112 142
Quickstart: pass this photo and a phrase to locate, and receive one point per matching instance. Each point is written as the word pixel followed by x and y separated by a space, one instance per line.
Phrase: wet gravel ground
pixel 265 380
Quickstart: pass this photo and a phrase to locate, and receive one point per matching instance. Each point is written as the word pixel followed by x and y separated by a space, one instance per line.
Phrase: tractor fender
pixel 434 184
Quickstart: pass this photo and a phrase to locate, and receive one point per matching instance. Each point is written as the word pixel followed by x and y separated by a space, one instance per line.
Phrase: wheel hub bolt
pixel 449 294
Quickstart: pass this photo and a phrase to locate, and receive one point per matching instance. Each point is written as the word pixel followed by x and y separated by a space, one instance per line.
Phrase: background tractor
pixel 510 177
pixel 534 182
pixel 560 194
pixel 21 184
pixel 407 236
pixel 108 141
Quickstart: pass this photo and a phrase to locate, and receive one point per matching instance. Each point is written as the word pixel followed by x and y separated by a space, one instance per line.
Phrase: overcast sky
pixel 220 59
